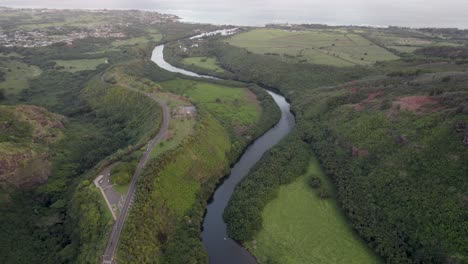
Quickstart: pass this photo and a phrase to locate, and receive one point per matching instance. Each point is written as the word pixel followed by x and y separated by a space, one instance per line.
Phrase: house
pixel 185 111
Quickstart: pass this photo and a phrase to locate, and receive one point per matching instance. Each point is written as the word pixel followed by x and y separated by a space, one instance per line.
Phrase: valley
pixel 130 137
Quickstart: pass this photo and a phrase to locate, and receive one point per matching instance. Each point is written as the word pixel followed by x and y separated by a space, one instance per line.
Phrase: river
pixel 221 249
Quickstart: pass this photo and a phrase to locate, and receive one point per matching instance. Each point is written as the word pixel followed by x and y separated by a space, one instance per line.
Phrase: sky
pixel 415 13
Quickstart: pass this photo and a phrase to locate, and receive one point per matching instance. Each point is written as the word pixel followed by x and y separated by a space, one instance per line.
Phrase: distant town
pixel 69 31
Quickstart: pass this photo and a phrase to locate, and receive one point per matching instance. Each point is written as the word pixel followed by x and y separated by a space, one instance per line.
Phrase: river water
pixel 221 249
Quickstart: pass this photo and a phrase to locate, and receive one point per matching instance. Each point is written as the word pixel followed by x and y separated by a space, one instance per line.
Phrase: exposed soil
pixel 28 165
pixel 25 169
pixel 374 95
pixel 357 152
pixel 419 104
pixel 354 90
pixel 357 107
pixel 46 125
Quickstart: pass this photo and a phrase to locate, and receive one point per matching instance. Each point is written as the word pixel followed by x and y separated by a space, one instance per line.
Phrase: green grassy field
pixel 17 76
pixel 407 43
pixel 121 189
pixel 137 40
pixel 11 54
pixel 80 65
pixel 229 105
pixel 407 49
pixel 299 227
pixel 330 47
pixel 179 129
pixel 203 62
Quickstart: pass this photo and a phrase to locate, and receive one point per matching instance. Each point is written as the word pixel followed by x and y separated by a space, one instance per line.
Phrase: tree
pixel 2 94
pixel 315 182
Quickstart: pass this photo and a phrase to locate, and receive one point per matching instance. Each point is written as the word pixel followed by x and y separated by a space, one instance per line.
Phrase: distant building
pixel 185 111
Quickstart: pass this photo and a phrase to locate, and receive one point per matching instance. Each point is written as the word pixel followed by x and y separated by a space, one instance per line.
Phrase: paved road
pixel 113 199
pixel 110 196
pixel 118 225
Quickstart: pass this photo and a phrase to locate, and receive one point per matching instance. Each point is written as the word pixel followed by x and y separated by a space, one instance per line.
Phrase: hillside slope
pixel 26 133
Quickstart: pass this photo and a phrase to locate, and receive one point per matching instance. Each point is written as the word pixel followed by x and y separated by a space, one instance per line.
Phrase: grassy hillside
pixel 14 77
pixel 170 191
pixel 27 133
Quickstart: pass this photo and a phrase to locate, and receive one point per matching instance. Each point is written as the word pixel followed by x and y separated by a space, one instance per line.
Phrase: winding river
pixel 221 249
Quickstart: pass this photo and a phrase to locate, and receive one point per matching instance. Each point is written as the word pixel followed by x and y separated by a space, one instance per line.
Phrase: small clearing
pixel 420 104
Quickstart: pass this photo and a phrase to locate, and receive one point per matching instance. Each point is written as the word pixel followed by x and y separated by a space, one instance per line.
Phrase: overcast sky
pixel 417 13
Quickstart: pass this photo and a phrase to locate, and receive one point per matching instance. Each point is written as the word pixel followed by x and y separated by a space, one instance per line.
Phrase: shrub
pixel 122 173
pixel 446 79
pixel 324 193
pixel 315 182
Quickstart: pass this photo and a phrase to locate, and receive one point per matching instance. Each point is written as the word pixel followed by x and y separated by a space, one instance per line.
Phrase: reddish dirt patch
pixel 357 107
pixel 41 116
pixel 252 99
pixel 240 130
pixel 372 96
pixel 25 169
pixel 168 136
pixel 9 163
pixel 419 104
pixel 357 152
pixel 250 95
pixel 465 198
pixel 353 90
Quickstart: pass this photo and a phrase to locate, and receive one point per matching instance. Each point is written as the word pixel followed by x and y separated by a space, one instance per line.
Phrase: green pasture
pixel 137 40
pixel 300 227
pixel 203 62
pixel 80 65
pixel 408 43
pixel 179 129
pixel 330 47
pixel 230 105
pixel 17 75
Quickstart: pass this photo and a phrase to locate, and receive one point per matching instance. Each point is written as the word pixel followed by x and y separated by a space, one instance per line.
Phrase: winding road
pixel 112 243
